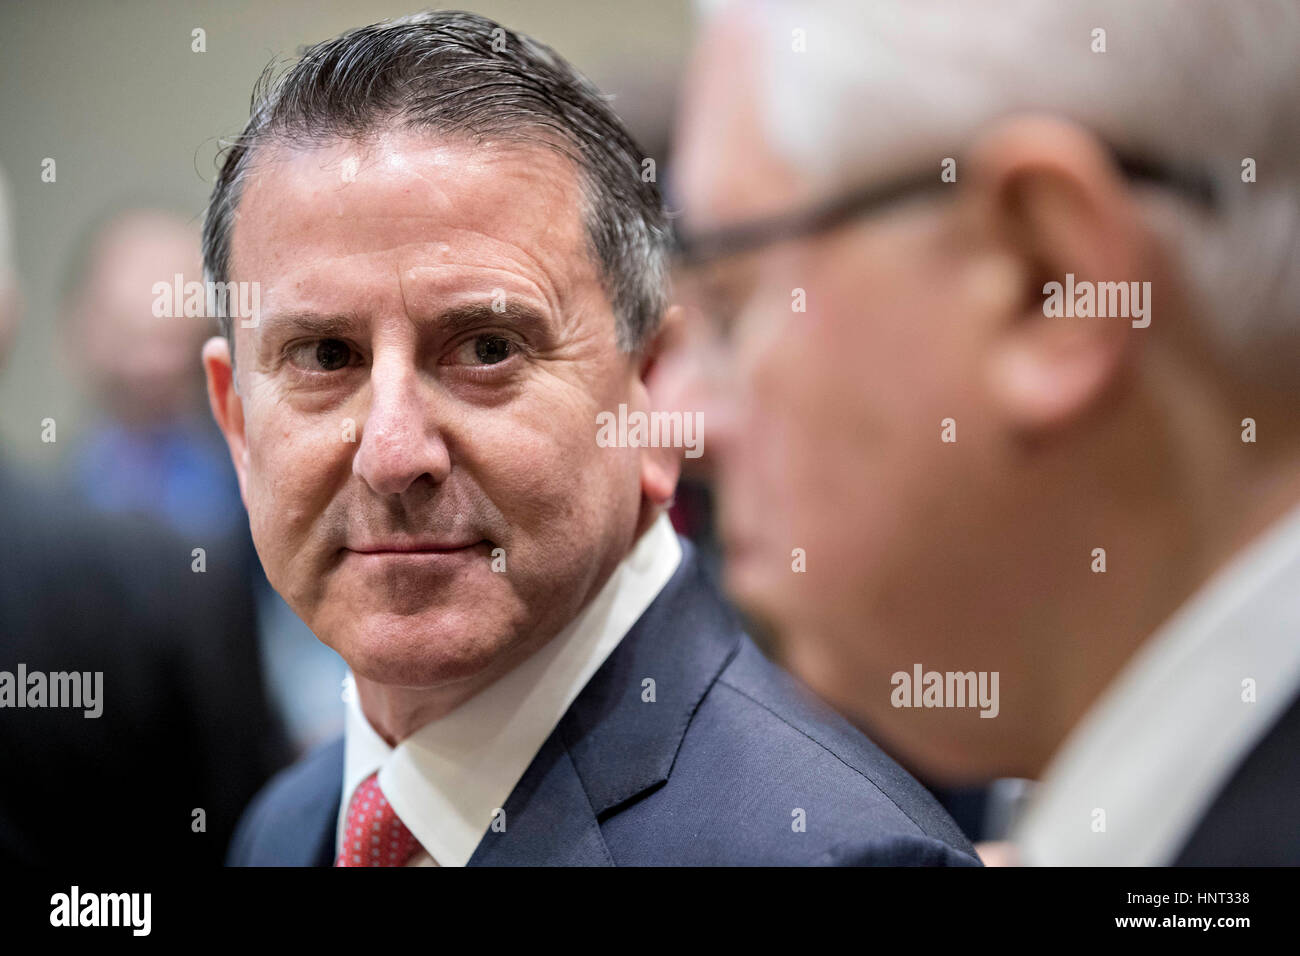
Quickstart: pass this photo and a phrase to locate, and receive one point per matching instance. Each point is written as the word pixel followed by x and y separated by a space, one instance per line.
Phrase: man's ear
pixel 660 467
pixel 227 406
pixel 1050 198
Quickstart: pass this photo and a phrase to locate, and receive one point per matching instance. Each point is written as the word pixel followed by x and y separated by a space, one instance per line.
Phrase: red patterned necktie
pixel 375 835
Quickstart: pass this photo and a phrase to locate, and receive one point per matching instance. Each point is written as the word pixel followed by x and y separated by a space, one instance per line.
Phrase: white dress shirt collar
pixel 447 779
pixel 1165 736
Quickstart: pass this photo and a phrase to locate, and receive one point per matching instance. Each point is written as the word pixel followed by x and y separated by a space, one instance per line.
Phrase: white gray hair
pixel 893 83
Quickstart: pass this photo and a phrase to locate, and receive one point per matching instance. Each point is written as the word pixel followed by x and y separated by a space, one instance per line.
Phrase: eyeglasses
pixel 691 251
pixel 716 272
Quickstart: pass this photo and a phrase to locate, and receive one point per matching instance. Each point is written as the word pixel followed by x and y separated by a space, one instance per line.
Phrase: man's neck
pixel 397 712
pixel 1167 557
pixel 1168 513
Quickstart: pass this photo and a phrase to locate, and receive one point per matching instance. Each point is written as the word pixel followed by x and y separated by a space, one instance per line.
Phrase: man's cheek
pixel 528 456
pixel 532 487
pixel 287 483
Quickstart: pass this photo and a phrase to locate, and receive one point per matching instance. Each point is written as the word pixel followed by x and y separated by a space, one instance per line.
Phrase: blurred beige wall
pixel 111 90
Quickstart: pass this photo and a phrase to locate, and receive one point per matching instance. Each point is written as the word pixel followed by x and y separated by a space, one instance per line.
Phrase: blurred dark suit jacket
pixel 185 723
pixel 710 773
pixel 1254 819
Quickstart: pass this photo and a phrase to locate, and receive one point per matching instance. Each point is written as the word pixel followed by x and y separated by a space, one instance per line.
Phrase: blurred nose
pixel 400 443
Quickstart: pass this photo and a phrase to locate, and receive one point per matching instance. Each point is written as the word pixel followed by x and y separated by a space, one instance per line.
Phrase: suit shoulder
pixel 284 823
pixel 783 740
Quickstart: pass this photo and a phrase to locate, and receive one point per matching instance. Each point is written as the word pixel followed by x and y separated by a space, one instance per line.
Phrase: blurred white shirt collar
pixel 447 779
pixel 1157 747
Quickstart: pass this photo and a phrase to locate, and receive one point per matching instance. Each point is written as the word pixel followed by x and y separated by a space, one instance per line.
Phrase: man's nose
pixel 400 442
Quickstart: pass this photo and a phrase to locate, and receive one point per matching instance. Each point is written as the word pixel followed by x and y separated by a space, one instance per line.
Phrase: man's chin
pixel 426 651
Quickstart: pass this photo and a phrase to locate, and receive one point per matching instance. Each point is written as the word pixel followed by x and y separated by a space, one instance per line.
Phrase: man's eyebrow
pixel 324 325
pixel 472 315
pixel 450 321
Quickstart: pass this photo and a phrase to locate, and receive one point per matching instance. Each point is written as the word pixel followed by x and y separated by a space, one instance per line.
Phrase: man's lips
pixel 412 547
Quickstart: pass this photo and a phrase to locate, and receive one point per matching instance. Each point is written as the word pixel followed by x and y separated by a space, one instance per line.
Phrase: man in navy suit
pixel 444 278
pixel 960 451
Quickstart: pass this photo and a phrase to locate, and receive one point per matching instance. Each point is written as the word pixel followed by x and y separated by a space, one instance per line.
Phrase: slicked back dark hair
pixel 460 75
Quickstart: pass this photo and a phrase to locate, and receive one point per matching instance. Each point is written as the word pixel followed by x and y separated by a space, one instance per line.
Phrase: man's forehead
pixel 397 186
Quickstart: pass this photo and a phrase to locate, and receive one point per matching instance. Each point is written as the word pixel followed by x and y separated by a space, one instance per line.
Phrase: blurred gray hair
pixel 458 74
pixel 887 85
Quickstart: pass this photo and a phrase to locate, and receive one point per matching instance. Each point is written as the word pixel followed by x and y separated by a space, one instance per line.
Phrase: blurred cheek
pixel 808 437
pixel 843 431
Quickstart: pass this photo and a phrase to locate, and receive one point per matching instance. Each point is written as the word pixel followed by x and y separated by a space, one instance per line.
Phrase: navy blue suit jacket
pixel 733 763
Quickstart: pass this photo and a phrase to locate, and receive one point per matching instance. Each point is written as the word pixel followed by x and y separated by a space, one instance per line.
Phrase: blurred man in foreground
pixel 460 271
pixel 998 303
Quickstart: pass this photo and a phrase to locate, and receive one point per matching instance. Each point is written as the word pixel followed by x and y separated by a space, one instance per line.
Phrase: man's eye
pixel 322 355
pixel 486 350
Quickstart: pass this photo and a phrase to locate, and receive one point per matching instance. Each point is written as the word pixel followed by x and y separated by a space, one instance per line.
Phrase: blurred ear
pixel 660 467
pixel 227 406
pixel 1050 198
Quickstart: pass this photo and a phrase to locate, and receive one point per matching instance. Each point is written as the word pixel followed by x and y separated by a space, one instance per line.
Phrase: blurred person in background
pixel 1096 504
pixel 179 735
pixel 153 448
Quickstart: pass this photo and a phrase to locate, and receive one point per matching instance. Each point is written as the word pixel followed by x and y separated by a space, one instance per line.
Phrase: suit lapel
pixel 621 735
pixel 299 834
pixel 326 850
pixel 548 821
